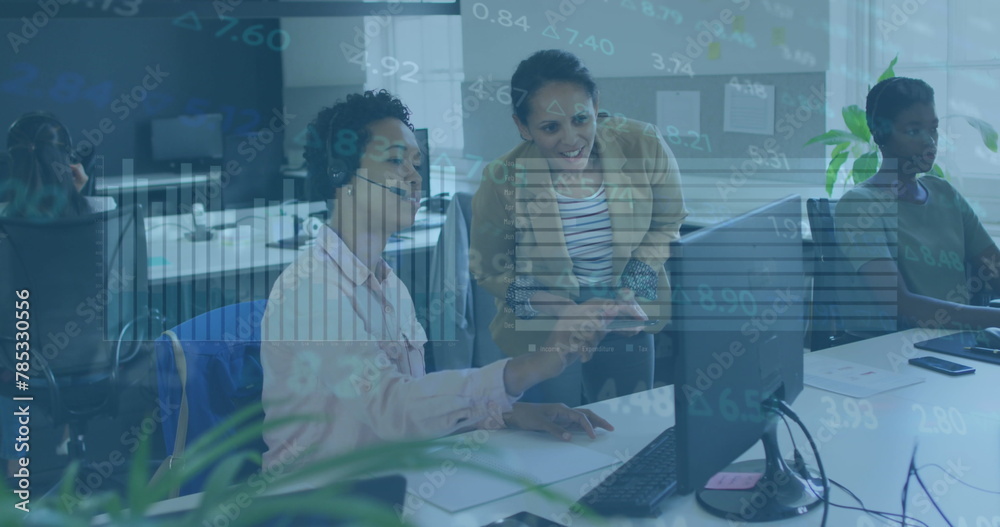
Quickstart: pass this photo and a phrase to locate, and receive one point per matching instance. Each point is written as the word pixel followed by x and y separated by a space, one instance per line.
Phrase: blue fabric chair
pixel 222 354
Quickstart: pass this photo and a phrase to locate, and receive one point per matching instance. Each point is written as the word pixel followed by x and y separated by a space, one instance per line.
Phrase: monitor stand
pixel 780 493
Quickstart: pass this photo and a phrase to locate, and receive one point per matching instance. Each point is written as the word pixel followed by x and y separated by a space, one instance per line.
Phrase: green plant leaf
pixel 834 137
pixel 217 485
pixel 839 157
pixel 854 118
pixel 986 131
pixel 138 479
pixel 889 73
pixel 864 167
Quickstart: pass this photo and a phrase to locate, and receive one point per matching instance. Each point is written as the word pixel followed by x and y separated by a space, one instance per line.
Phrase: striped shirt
pixel 587 228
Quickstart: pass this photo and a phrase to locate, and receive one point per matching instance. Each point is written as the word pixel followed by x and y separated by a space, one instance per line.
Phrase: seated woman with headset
pixel 339 336
pixel 46 175
pixel 44 182
pixel 910 238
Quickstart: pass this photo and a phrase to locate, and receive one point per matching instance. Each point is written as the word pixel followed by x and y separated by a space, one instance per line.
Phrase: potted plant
pixel 856 142
pixel 63 509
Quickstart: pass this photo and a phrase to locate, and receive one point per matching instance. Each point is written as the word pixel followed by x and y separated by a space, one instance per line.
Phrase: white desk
pixel 869 455
pixel 871 462
pixel 157 181
pixel 173 258
pixel 187 278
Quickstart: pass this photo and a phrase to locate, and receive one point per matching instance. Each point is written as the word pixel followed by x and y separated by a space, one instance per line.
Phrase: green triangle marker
pixel 443 161
pixel 558 109
pixel 193 23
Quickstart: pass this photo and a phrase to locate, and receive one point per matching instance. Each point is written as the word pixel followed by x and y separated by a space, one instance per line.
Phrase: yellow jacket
pixel 517 230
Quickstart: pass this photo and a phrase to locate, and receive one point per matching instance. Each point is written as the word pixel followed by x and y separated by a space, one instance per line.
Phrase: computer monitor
pixel 738 326
pixel 187 138
pixel 425 164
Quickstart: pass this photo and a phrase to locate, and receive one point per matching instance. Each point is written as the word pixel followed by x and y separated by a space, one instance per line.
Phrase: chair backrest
pixel 842 309
pixel 222 352
pixel 85 280
pixel 460 309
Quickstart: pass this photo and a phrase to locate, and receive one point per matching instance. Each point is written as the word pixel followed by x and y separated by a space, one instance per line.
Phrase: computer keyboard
pixel 639 486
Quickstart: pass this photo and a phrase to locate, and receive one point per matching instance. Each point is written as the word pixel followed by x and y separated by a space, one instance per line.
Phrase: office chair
pixel 842 310
pixel 221 352
pixel 86 305
pixel 459 330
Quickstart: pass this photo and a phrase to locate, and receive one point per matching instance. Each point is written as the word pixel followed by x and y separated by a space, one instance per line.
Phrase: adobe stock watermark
pixel 229 511
pixel 99 471
pixel 788 125
pixel 122 107
pixel 433 480
pixel 901 13
pixel 696 46
pixel 752 330
pixel 47 10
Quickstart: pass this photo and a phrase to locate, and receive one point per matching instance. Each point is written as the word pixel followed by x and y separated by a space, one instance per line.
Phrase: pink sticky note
pixel 733 481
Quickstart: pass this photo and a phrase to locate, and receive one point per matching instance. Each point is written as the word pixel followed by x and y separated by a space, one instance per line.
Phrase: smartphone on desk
pixel 629 323
pixel 942 366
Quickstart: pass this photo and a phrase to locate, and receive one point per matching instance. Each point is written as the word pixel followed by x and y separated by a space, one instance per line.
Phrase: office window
pixel 420 60
pixel 952 45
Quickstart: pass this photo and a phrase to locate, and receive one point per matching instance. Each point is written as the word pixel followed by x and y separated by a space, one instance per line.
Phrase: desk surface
pixel 147 181
pixel 869 454
pixel 868 451
pixel 173 258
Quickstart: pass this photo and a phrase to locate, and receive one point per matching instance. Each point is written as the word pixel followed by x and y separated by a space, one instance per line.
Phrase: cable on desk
pixel 178 225
pixel 912 472
pixel 783 408
pixel 800 465
pixel 952 476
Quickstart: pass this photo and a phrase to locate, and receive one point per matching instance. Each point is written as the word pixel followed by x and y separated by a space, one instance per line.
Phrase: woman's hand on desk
pixel 556 419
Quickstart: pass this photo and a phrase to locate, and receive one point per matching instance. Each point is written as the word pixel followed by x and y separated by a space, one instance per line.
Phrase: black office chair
pixel 840 299
pixel 86 284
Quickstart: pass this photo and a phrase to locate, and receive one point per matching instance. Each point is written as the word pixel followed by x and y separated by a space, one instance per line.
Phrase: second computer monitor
pixel 738 326
pixel 425 163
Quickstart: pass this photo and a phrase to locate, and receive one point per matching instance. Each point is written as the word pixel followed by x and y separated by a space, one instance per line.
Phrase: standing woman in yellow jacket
pixel 582 211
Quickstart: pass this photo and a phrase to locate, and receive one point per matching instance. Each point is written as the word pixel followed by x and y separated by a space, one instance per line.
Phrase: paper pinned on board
pixel 748 112
pixel 680 109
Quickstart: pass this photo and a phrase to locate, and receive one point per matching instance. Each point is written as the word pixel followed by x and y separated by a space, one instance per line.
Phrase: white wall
pixel 491 48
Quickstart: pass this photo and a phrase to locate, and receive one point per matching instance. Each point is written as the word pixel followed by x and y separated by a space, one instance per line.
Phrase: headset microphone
pixel 395 190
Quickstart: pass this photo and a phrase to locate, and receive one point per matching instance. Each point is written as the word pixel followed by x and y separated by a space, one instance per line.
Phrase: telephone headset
pixel 337 171
pixel 880 131
pixel 64 138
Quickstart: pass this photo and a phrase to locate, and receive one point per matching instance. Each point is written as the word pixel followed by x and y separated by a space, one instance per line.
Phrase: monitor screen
pixel 738 331
pixel 187 138
pixel 425 164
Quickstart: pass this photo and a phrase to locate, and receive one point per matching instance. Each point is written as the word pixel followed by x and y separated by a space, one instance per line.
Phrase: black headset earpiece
pixel 63 132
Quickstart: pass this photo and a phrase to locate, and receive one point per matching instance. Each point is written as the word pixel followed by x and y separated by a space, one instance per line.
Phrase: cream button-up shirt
pixel 341 342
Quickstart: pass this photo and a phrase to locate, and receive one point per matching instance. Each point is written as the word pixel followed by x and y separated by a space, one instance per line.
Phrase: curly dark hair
pixel 343 136
pixel 541 68
pixel 890 97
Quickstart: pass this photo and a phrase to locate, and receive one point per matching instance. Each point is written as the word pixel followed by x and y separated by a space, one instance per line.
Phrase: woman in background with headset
pixel 44 183
pixel 46 175
pixel 340 338
pixel 582 211
pixel 910 238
